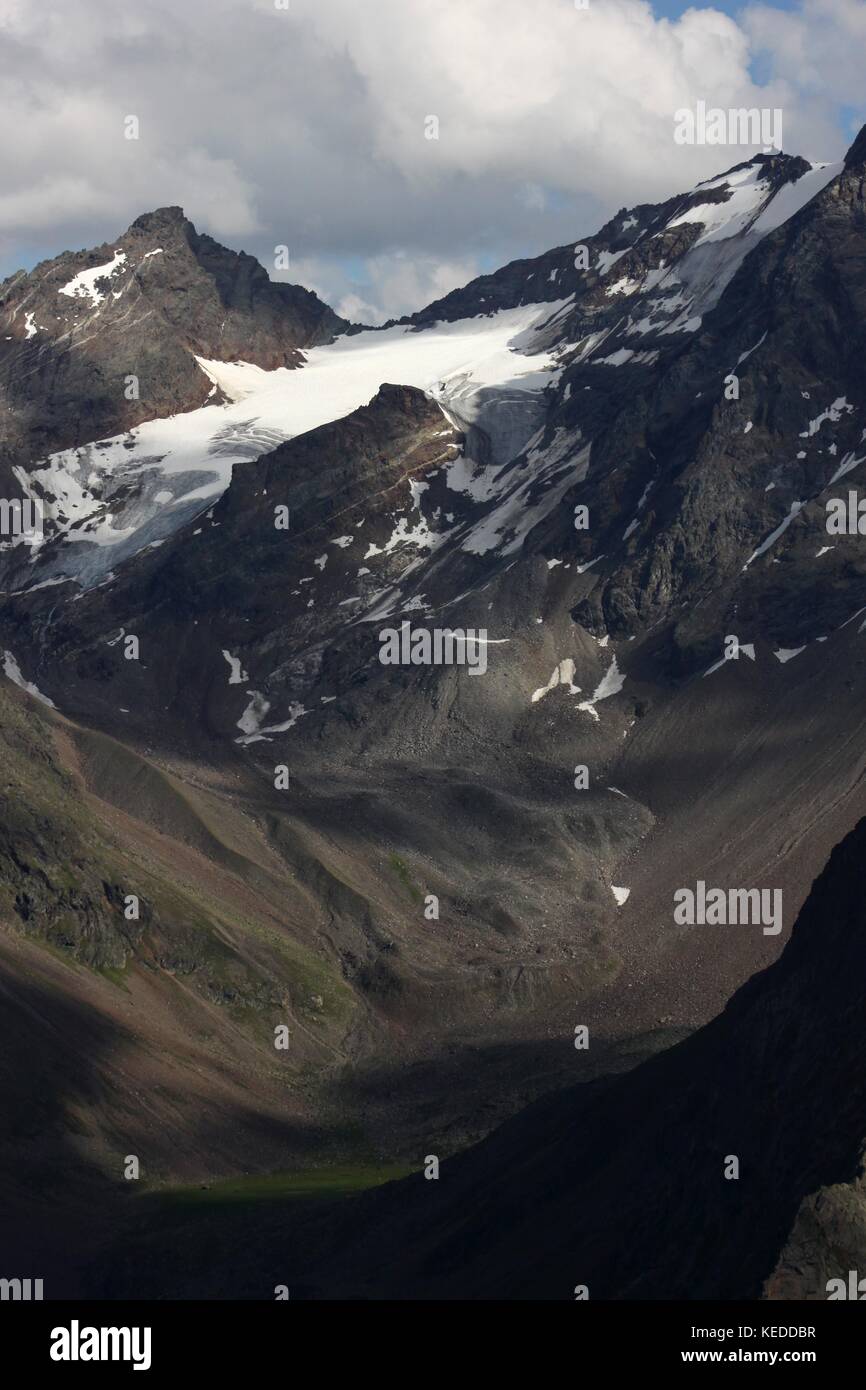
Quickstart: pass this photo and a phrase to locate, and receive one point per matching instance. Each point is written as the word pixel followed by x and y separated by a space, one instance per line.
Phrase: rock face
pixel 75 328
pixel 728 473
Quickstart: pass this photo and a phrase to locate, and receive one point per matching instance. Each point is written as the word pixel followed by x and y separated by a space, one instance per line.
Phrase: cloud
pixel 392 283
pixel 309 126
pixel 818 50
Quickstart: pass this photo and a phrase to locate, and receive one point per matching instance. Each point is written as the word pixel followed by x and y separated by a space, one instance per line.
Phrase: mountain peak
pixel 161 291
pixel 160 219
pixel 856 156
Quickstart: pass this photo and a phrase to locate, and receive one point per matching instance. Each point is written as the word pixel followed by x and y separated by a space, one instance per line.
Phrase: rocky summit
pixel 373 696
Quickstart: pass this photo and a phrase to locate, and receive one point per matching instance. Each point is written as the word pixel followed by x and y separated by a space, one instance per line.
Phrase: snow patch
pixel 747 648
pixel 83 285
pixel 251 719
pixel 833 413
pixel 611 684
pixel 13 671
pixel 562 675
pixel 237 675
pixel 607 259
pixel 774 535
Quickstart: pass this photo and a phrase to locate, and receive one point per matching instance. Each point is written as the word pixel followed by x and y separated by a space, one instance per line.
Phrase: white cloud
pixel 393 284
pixel 819 49
pixel 307 126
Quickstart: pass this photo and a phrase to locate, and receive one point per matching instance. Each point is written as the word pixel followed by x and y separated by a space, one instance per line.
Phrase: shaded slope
pixel 623 1189
pixel 148 1034
pixel 620 1185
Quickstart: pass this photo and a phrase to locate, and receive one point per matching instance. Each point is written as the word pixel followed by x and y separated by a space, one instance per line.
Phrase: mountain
pixel 607 470
pixel 625 1186
pixel 186 310
pixel 92 343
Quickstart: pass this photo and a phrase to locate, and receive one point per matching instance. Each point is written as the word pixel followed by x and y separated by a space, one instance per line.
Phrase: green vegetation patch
pixel 313 1184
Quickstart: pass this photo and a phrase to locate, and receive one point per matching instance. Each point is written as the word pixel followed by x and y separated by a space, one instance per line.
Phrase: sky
pixel 396 147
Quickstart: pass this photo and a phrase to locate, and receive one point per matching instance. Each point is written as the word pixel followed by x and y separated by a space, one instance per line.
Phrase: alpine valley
pixel 225 818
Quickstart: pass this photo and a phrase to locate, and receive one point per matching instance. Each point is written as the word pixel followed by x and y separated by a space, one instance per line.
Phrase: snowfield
pixel 109 499
pixel 472 368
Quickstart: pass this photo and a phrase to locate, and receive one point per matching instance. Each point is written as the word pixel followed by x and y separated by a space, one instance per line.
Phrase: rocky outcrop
pixel 77 329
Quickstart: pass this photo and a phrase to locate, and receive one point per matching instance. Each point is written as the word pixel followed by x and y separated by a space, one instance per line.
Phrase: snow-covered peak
pixel 667 291
pixel 754 203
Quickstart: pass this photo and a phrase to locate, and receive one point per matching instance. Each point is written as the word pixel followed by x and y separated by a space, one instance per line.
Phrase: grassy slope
pixel 151 1037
